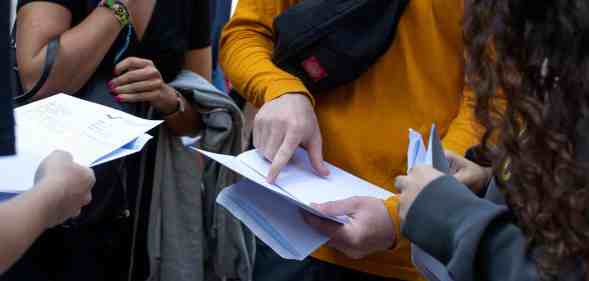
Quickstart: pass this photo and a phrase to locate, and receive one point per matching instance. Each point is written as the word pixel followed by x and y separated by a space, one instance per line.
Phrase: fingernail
pixel 119 99
pixel 110 85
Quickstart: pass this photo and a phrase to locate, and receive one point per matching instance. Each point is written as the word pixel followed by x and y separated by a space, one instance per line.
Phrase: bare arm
pixel 23 220
pixel 62 188
pixel 82 49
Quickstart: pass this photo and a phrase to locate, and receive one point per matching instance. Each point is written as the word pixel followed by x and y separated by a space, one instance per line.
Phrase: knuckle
pixel 124 79
pixel 133 61
pixel 295 128
pixel 355 241
pixel 153 71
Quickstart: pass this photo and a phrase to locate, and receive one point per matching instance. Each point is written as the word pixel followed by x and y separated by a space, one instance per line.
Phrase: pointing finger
pixel 282 157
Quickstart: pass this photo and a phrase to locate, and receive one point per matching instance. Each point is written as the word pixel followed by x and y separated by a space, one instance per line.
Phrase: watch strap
pixel 180 107
pixel 119 9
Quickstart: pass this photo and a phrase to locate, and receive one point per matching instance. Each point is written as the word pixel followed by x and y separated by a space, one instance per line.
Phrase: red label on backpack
pixel 314 69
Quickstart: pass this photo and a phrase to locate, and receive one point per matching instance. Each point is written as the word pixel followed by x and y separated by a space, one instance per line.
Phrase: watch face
pixel 121 13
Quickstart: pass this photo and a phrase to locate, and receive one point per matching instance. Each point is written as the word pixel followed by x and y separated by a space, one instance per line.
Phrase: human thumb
pixel 338 208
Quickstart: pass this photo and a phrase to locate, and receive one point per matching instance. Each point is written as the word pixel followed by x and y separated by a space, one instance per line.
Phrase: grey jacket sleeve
pixel 474 238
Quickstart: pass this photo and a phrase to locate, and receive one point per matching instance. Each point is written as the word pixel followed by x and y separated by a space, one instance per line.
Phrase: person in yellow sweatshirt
pixel 361 127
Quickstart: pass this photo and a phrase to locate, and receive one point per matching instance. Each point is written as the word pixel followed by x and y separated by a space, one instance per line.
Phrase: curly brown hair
pixel 528 63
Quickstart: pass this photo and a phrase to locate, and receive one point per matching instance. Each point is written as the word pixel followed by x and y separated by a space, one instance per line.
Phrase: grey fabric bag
pixel 230 246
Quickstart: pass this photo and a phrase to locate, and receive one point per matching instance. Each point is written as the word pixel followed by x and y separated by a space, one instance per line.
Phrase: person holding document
pixel 360 127
pixel 62 187
pixel 533 222
pixel 121 54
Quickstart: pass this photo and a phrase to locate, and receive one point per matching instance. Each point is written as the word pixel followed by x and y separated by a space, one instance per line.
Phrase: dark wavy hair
pixel 528 63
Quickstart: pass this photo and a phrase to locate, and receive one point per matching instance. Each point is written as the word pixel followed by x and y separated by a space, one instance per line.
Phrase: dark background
pixel 6 117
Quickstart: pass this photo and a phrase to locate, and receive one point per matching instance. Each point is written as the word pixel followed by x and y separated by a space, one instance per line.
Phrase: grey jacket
pixel 473 238
pixel 190 238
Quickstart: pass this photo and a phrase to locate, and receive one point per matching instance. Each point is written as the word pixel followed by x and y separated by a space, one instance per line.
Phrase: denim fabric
pixel 220 12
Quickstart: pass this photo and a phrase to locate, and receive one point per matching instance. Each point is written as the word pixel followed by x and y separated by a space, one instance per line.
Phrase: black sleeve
pixel 474 239
pixel 200 31
pixel 71 5
pixel 6 117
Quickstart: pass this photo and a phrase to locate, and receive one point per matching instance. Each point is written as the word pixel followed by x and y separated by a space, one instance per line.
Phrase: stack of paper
pixel 92 133
pixel 272 211
pixel 434 156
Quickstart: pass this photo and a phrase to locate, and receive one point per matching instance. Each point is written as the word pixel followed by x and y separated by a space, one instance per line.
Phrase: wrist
pixel 119 9
pixel 46 202
pixel 392 206
pixel 278 94
pixel 168 103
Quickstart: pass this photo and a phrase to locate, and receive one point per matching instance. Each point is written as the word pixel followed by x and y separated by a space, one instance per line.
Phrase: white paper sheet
pixel 87 130
pixel 272 211
pixel 239 167
pixel 276 222
pixel 417 154
pixel 298 179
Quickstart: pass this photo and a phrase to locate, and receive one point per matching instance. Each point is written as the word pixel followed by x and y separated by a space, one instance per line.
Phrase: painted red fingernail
pixel 110 85
pixel 119 99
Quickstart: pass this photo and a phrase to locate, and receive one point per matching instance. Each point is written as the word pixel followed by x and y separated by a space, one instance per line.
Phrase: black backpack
pixel 326 43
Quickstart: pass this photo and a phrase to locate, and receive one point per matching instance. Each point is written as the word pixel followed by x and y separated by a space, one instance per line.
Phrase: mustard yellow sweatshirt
pixel 365 124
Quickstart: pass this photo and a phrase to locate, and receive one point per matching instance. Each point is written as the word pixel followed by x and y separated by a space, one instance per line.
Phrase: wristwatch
pixel 119 9
pixel 180 108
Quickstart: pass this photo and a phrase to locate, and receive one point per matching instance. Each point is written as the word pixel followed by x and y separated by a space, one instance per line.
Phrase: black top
pixel 6 118
pixel 174 28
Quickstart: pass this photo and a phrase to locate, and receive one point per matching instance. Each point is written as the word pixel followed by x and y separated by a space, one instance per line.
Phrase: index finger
pixel 282 157
pixel 131 63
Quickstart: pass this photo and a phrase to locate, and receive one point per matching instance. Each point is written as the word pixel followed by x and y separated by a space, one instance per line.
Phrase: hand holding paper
pixel 273 211
pixel 92 133
pixel 424 166
pixel 370 229
pixel 469 173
